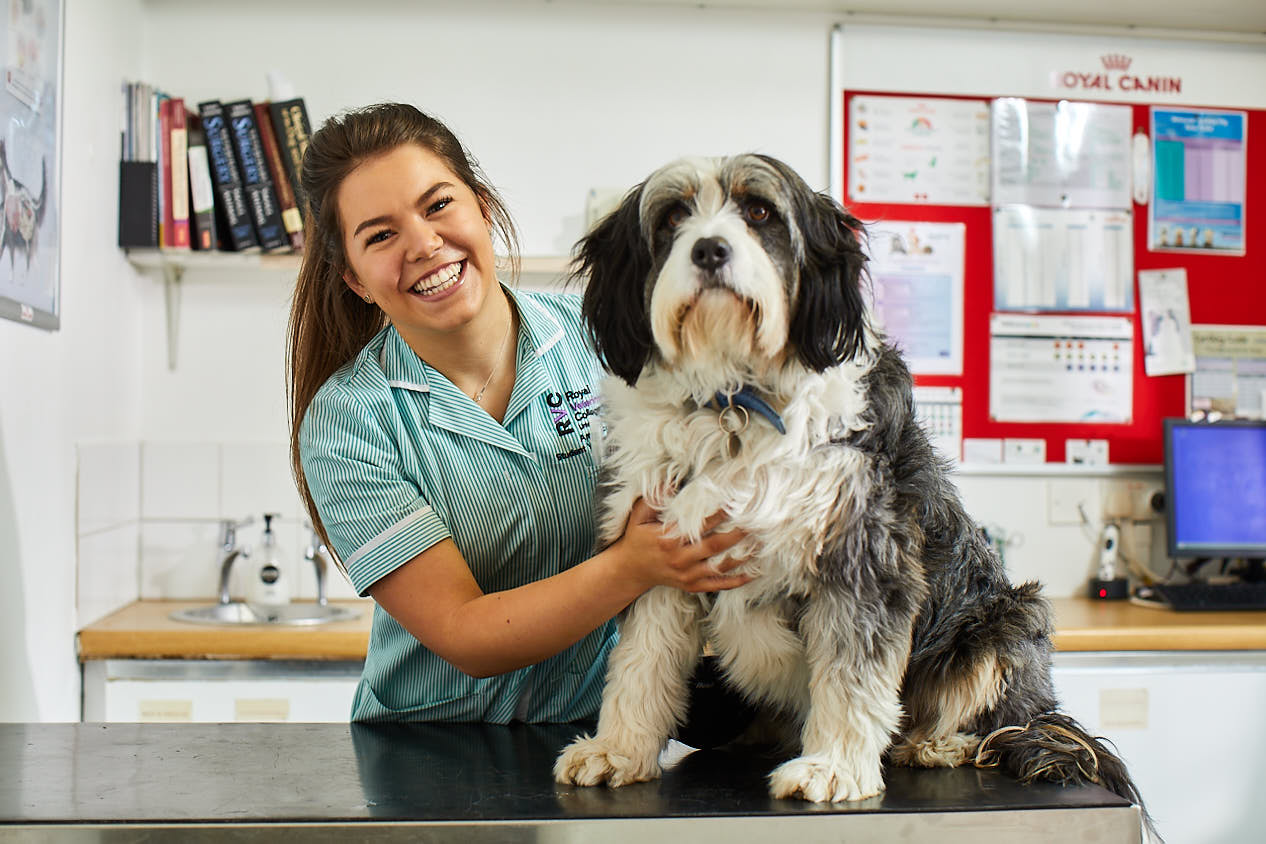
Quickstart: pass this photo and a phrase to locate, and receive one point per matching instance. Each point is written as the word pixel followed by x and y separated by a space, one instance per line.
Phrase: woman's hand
pixel 654 558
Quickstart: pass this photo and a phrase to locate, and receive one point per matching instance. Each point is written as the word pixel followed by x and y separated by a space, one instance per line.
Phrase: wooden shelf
pixel 537 272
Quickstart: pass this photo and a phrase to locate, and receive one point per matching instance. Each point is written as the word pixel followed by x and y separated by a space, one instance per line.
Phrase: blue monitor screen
pixel 1215 475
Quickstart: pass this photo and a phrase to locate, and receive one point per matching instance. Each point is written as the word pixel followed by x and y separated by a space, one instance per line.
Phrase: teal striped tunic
pixel 397 459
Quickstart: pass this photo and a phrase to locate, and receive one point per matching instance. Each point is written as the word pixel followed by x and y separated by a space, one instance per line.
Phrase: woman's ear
pixel 349 278
pixel 614 261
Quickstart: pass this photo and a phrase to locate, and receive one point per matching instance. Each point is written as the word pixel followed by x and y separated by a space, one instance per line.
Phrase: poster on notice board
pixel 1198 161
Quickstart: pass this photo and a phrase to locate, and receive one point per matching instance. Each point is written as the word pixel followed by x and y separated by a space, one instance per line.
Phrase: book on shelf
pixel 290 217
pixel 261 197
pixel 175 174
pixel 201 191
pixel 290 124
pixel 234 216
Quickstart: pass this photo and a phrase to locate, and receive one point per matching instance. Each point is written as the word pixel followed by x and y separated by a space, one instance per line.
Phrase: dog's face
pixel 723 269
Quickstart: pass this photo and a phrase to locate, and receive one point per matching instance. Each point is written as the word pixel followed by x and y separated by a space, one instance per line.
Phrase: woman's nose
pixel 423 240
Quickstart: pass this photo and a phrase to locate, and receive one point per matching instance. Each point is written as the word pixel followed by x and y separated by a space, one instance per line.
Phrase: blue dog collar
pixel 749 400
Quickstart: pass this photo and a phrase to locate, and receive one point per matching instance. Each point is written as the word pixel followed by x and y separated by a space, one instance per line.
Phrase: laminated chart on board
pixel 919 150
pixel 1198 157
pixel 1230 374
pixel 1058 259
pixel 1045 368
pixel 916 272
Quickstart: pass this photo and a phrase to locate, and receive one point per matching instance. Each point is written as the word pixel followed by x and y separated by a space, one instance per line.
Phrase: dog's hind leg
pixel 646 693
pixel 938 714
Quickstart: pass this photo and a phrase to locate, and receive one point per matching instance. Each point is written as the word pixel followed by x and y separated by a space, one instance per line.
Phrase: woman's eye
pixel 377 237
pixel 676 216
pixel 757 212
pixel 439 204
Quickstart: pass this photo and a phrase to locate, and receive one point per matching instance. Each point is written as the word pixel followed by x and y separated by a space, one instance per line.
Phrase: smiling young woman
pixel 440 440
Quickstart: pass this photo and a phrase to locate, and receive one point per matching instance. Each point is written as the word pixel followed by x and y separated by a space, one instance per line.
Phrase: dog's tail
pixel 1055 748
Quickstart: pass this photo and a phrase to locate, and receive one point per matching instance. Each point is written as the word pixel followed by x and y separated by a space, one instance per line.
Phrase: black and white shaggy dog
pixel 727 297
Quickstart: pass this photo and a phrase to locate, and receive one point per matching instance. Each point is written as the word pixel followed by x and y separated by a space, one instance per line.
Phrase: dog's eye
pixel 757 212
pixel 675 216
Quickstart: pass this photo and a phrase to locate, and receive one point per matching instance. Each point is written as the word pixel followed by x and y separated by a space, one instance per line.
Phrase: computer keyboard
pixel 1189 597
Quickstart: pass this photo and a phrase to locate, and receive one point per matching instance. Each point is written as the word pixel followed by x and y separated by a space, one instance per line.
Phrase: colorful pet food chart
pixel 918 149
pixel 1198 162
pixel 30 111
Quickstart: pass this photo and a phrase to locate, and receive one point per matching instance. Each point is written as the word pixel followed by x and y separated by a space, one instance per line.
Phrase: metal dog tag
pixel 733 421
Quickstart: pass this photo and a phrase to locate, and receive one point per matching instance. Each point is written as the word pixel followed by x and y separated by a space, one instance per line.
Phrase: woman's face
pixel 417 241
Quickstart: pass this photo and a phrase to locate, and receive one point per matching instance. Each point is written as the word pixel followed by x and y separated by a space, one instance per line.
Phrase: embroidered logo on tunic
pixel 570 412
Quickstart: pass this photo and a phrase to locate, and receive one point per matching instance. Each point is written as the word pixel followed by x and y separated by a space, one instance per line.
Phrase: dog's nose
pixel 710 253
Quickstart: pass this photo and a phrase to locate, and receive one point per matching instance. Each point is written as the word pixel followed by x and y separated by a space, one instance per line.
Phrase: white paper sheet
pixel 1060 369
pixel 917 273
pixel 1061 155
pixel 923 150
pixel 1230 374
pixel 1166 322
pixel 1063 259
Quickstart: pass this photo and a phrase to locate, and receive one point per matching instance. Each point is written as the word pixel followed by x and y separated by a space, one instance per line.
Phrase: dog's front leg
pixel 645 697
pixel 854 705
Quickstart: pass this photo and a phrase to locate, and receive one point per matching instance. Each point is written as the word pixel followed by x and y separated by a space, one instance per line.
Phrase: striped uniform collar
pixel 539 331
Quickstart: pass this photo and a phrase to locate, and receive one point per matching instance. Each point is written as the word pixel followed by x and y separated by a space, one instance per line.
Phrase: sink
pixel 241 613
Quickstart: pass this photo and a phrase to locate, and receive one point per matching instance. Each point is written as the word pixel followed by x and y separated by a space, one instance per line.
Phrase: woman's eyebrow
pixel 385 218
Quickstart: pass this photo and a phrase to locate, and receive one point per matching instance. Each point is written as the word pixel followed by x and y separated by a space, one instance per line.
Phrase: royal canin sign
pixel 1116 76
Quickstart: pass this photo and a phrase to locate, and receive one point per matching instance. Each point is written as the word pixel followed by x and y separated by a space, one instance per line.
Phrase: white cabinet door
pixel 1191 726
pixel 218 691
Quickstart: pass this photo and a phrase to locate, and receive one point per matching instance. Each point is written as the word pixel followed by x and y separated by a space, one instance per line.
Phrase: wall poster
pixel 30 134
pixel 1198 158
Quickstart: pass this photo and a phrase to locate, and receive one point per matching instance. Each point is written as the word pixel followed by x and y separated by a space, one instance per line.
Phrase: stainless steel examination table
pixel 475 783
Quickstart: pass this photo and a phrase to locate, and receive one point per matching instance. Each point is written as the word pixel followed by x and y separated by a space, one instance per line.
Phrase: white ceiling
pixel 1239 16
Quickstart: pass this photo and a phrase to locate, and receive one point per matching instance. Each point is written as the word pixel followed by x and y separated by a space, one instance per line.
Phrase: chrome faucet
pixel 318 554
pixel 228 547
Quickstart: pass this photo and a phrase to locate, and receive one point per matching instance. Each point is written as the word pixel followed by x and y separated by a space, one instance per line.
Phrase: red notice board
pixel 1222 289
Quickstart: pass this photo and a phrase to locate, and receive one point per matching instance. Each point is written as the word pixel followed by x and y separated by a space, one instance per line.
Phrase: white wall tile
pixel 107 571
pixel 180 560
pixel 108 485
pixel 255 479
pixel 180 480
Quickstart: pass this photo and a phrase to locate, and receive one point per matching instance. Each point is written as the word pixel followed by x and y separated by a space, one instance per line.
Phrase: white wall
pixel 80 383
pixel 553 98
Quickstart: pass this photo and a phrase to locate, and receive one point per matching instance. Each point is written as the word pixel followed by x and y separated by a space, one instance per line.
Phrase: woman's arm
pixel 435 597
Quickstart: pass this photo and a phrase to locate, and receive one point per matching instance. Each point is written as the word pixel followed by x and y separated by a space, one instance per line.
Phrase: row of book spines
pixel 227 181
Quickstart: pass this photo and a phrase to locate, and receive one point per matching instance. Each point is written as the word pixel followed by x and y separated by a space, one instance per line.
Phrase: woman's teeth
pixel 441 280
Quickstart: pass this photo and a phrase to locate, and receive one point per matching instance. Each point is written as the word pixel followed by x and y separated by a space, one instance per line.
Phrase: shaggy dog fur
pixel 880 622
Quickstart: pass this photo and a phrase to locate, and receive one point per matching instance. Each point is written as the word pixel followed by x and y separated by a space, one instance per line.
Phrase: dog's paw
pixel 823 779
pixel 948 752
pixel 593 761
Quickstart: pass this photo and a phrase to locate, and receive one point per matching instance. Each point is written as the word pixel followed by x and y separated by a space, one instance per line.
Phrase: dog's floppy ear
pixel 829 316
pixel 616 260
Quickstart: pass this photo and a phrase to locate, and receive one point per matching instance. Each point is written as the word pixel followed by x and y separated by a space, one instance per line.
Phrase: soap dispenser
pixel 269 585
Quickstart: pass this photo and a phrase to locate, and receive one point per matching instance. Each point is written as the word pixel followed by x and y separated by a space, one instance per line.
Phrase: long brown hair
pixel 330 324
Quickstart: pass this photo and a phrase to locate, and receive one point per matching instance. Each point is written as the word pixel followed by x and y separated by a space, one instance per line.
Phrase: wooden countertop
pixel 1084 625
pixel 143 630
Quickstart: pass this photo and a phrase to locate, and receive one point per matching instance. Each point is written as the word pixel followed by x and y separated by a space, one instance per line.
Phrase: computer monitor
pixel 1215 488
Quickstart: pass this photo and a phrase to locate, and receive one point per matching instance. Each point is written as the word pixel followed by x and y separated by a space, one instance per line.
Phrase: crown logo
pixel 1115 61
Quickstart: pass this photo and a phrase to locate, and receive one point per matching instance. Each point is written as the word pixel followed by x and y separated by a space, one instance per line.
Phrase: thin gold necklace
pixel 497 363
